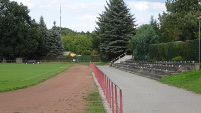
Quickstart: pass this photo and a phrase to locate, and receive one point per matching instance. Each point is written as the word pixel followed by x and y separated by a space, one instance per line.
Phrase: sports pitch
pixel 17 76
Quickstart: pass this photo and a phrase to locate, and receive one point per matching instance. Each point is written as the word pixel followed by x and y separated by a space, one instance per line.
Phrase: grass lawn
pixel 17 76
pixel 101 63
pixel 94 102
pixel 190 81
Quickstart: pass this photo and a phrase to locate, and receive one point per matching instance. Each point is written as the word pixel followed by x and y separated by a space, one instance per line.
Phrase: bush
pixel 188 50
pixel 86 52
pixel 178 58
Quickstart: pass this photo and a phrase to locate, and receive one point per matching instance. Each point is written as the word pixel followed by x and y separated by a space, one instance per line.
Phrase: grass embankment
pixel 17 76
pixel 93 99
pixel 190 81
pixel 94 102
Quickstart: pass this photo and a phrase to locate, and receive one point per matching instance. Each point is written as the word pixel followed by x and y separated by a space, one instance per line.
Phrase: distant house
pixel 69 53
pixel 72 54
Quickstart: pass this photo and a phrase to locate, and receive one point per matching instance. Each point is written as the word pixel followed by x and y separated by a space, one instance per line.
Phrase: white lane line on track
pixel 41 74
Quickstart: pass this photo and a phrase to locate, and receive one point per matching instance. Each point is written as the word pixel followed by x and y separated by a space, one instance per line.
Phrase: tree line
pixel 21 36
pixel 116 32
pixel 178 24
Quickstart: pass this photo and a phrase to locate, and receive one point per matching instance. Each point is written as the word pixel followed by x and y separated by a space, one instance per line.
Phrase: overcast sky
pixel 80 15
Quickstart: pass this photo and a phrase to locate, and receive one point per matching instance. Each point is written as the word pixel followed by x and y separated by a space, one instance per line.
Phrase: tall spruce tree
pixel 116 26
pixel 43 40
pixel 55 43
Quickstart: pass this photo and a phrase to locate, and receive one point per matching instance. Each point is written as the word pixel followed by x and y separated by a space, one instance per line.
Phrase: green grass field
pixel 17 76
pixel 190 81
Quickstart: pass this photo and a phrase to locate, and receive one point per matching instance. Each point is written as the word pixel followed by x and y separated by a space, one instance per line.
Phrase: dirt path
pixel 61 94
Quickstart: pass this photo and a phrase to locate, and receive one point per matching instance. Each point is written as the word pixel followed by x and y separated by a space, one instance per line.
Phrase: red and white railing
pixel 112 91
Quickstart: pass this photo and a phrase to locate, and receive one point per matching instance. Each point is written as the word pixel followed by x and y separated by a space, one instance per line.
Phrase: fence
pixel 112 92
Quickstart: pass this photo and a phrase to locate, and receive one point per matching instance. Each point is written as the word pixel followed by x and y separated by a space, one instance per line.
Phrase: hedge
pixel 188 50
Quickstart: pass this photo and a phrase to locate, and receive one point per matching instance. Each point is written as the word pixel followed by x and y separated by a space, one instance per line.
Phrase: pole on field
pixel 199 37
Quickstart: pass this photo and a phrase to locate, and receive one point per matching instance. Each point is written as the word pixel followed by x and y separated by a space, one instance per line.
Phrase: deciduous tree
pixel 145 35
pixel 18 32
pixel 180 22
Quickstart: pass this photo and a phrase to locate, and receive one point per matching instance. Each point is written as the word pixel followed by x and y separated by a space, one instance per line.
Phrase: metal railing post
pixel 121 102
pixel 116 101
pixel 110 89
pixel 112 98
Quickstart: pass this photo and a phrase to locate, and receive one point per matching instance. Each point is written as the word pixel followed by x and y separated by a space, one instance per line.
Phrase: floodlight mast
pixel 60 17
pixel 199 37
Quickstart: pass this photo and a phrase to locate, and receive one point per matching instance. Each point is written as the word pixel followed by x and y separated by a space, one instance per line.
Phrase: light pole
pixel 199 37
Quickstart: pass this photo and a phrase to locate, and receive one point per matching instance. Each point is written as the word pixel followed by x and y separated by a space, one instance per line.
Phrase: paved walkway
pixel 144 95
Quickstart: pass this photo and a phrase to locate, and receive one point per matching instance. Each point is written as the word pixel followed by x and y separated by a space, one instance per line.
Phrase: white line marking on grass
pixel 41 74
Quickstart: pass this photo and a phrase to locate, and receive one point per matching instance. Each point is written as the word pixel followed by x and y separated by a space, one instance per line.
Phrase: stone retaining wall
pixel 157 70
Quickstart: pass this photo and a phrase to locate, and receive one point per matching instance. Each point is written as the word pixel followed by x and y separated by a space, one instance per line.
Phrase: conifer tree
pixel 43 40
pixel 116 26
pixel 55 43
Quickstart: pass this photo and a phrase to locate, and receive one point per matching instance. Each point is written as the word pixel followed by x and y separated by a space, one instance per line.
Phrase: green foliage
pixel 170 30
pixel 190 81
pixel 115 28
pixel 94 52
pixel 182 6
pixel 188 50
pixel 78 43
pixel 22 37
pixel 178 58
pixel 55 44
pixel 65 31
pixel 95 58
pixel 94 102
pixel 101 63
pixel 180 23
pixel 95 40
pixel 145 35
pixel 43 48
pixel 17 76
pixel 86 52
pixel 18 34
pixel 87 58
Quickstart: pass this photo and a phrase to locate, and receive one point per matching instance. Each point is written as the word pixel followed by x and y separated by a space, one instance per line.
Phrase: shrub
pixel 188 50
pixel 178 58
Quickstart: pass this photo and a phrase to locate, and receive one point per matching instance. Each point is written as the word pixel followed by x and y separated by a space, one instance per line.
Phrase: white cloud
pixel 29 3
pixel 88 18
pixel 157 6
pixel 143 10
pixel 81 27
pixel 80 15
pixel 144 6
pixel 76 6
pixel 48 4
pixel 140 6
